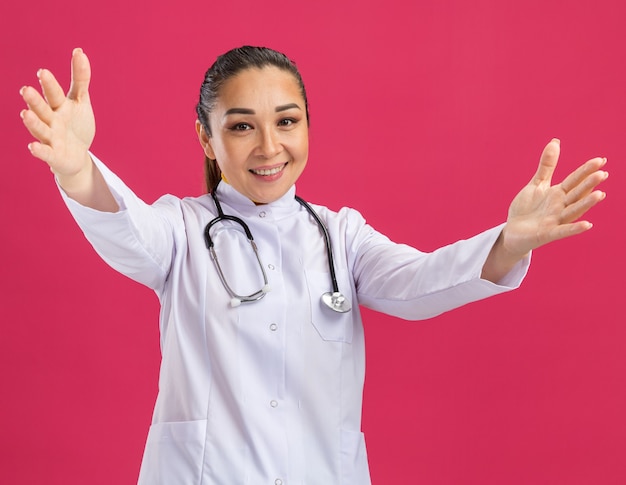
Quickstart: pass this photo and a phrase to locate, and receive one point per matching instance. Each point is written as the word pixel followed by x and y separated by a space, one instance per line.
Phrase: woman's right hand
pixel 64 126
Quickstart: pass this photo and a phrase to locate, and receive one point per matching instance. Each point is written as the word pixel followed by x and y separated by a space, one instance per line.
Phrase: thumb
pixel 81 75
pixel 547 162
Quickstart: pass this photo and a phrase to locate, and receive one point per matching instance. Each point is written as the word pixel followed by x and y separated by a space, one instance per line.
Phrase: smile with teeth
pixel 269 171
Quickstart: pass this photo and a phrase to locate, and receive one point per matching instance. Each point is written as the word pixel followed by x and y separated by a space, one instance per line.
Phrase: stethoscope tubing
pixel 335 300
pixel 211 247
pixel 329 249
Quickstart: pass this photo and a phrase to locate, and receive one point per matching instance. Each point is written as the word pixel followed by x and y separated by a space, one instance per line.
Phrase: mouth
pixel 266 172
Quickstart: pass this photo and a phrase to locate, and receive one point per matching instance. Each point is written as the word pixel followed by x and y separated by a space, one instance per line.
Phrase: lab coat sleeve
pixel 138 240
pixel 400 280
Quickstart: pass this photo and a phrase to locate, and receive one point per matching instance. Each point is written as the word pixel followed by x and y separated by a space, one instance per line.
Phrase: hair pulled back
pixel 225 67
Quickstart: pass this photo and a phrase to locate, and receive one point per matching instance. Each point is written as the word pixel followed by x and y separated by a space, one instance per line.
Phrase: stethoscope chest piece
pixel 336 302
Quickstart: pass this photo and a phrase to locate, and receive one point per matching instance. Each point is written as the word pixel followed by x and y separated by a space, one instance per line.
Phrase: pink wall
pixel 427 117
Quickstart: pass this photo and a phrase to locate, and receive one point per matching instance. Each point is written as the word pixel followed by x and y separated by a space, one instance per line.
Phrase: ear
pixel 205 141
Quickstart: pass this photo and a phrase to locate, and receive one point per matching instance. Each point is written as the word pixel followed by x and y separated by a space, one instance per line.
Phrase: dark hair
pixel 226 66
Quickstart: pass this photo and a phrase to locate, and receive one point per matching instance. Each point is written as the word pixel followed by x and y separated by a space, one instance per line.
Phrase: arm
pixel 399 280
pixel 542 213
pixel 136 239
pixel 139 240
pixel 64 127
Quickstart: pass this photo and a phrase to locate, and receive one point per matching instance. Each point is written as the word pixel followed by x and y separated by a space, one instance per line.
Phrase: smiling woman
pixel 260 143
pixel 270 391
pixel 228 66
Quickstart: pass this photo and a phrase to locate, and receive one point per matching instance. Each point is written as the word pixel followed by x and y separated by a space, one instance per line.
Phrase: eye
pixel 287 122
pixel 241 127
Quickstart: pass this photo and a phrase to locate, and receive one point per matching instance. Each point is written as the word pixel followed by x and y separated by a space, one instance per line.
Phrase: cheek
pixel 301 147
pixel 228 151
pixel 232 158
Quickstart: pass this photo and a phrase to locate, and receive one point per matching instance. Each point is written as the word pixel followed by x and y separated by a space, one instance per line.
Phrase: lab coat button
pixel 271 266
pixel 273 327
pixel 278 481
pixel 273 403
pixel 262 214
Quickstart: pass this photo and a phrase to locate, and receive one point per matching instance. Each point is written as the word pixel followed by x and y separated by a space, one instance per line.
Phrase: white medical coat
pixel 269 392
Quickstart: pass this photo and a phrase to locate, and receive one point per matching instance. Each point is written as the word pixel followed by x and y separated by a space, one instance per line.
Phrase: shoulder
pixel 346 214
pixel 184 212
pixel 172 202
pixel 347 222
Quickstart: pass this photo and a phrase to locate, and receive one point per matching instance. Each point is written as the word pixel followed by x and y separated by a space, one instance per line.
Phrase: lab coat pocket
pixel 331 325
pixel 354 467
pixel 173 454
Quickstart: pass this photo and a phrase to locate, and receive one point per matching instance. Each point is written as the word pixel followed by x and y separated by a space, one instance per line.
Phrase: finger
pixel 586 186
pixel 41 151
pixel 576 210
pixel 40 130
pixel 547 162
pixel 37 104
pixel 51 88
pixel 571 229
pixel 578 175
pixel 81 75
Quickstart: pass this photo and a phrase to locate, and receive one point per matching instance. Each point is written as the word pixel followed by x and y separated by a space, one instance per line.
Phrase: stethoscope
pixel 335 300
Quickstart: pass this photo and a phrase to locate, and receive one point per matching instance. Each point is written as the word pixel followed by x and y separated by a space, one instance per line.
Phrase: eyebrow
pixel 248 111
pixel 285 107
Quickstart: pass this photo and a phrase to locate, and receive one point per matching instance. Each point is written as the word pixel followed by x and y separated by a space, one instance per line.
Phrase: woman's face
pixel 259 133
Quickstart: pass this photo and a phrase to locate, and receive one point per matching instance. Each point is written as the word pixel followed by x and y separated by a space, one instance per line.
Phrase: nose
pixel 269 143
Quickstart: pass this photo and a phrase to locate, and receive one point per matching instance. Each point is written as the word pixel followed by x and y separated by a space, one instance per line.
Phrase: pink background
pixel 427 117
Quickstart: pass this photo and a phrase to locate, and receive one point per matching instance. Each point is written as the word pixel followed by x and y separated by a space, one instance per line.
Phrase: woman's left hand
pixel 542 213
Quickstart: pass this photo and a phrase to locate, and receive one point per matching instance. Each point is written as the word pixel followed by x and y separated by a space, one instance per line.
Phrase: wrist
pixel 88 187
pixel 510 250
pixel 77 182
pixel 501 260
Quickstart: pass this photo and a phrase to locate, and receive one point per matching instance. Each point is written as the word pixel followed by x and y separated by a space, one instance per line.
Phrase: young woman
pixel 262 342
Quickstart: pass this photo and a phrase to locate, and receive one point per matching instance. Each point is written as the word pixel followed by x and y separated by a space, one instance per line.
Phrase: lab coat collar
pixel 234 200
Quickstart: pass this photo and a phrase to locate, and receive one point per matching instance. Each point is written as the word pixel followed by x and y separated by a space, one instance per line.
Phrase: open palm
pixel 542 212
pixel 64 126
